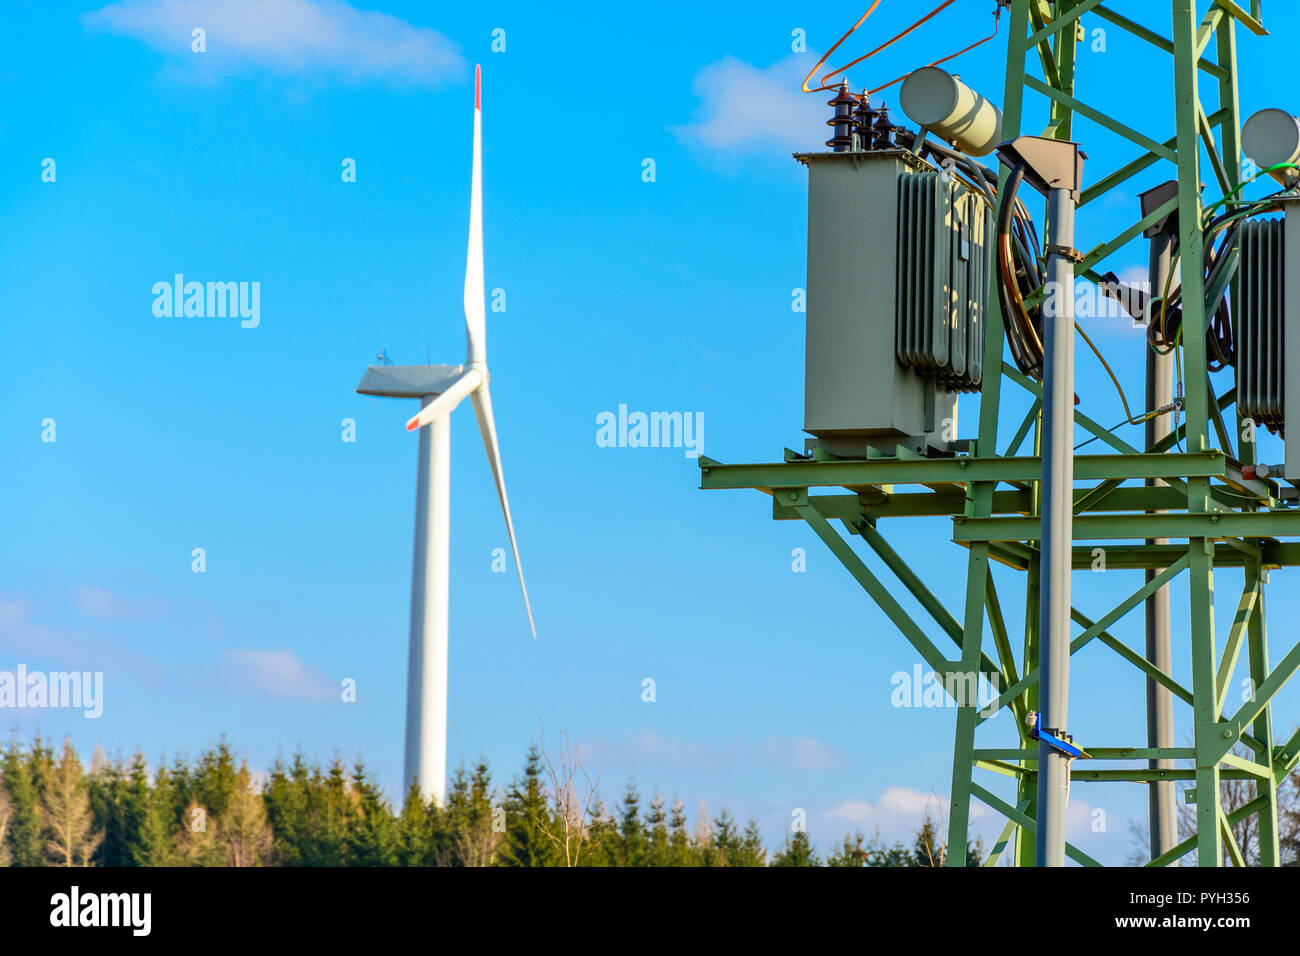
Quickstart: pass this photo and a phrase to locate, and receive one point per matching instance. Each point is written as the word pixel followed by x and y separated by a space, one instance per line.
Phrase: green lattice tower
pixel 1225 518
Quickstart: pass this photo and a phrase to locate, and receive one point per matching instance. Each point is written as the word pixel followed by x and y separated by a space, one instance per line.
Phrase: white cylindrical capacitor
pixel 939 102
pixel 1270 137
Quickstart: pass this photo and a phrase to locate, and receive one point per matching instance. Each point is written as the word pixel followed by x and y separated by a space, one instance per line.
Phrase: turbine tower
pixel 440 389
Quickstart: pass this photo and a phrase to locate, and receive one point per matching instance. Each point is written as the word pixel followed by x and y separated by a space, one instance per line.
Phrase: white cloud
pixel 20 636
pixel 802 753
pixel 287 36
pixel 748 108
pixel 785 753
pixel 897 807
pixel 25 639
pixel 102 604
pixel 1079 820
pixel 12 613
pixel 899 812
pixel 650 747
pixel 277 674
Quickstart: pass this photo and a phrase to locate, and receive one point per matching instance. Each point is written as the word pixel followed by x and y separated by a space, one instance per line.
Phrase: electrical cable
pixel 835 46
pixel 1145 418
pixel 997 16
pixel 1023 334
pixel 1129 420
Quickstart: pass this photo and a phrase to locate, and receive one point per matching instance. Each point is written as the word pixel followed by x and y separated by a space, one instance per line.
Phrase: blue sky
pixel 773 687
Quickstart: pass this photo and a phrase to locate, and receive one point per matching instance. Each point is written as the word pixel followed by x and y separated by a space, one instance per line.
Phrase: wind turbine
pixel 440 389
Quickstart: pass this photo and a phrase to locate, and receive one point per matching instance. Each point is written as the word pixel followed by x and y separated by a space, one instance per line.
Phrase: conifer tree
pixel 850 853
pixel 106 788
pixel 527 812
pixel 286 812
pixel 930 849
pixel 332 812
pixel 601 834
pixel 41 761
pixel 682 850
pixel 724 846
pixel 416 830
pixel 23 837
pixel 214 779
pixel 161 828
pixel 475 835
pixel 6 811
pixel 197 844
pixel 658 850
pixel 632 844
pixel 454 817
pixel 796 851
pixel 372 831
pixel 135 808
pixel 880 855
pixel 182 783
pixel 244 828
pixel 751 851
pixel 72 838
pixel 295 808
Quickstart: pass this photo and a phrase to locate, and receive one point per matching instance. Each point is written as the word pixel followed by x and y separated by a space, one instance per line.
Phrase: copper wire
pixel 997 16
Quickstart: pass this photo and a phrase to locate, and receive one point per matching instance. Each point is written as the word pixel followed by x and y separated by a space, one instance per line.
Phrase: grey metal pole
pixel 1160 702
pixel 1057 527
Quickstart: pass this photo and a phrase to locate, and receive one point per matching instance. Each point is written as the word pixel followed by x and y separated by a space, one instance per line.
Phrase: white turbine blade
pixel 475 333
pixel 487 426
pixel 444 403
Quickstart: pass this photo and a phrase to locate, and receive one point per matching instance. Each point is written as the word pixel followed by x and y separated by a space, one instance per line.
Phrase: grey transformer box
pixel 899 259
pixel 1268 326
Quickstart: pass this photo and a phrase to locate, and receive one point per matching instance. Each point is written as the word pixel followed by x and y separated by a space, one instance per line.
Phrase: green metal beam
pixel 1245 524
pixel 1063 21
pixel 1094 753
pixel 1083 109
pixel 1135 166
pixel 1005 836
pixel 1189 844
pixel 1025 823
pixel 880 505
pixel 787 476
pixel 1078 643
pixel 1134 658
pixel 1232 649
pixel 878 592
pixel 1156 39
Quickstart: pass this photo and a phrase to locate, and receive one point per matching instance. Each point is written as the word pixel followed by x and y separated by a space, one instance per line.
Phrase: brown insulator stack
pixel 883 131
pixel 842 122
pixel 864 121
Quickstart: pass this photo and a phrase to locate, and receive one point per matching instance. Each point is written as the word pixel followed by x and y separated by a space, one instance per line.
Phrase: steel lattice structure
pixel 1215 516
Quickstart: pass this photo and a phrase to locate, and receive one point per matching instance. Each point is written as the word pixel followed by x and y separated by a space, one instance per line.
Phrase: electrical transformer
pixel 899 257
pixel 1261 322
pixel 1268 326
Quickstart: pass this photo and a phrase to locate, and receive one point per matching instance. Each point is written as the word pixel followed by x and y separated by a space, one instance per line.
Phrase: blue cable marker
pixel 1065 746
